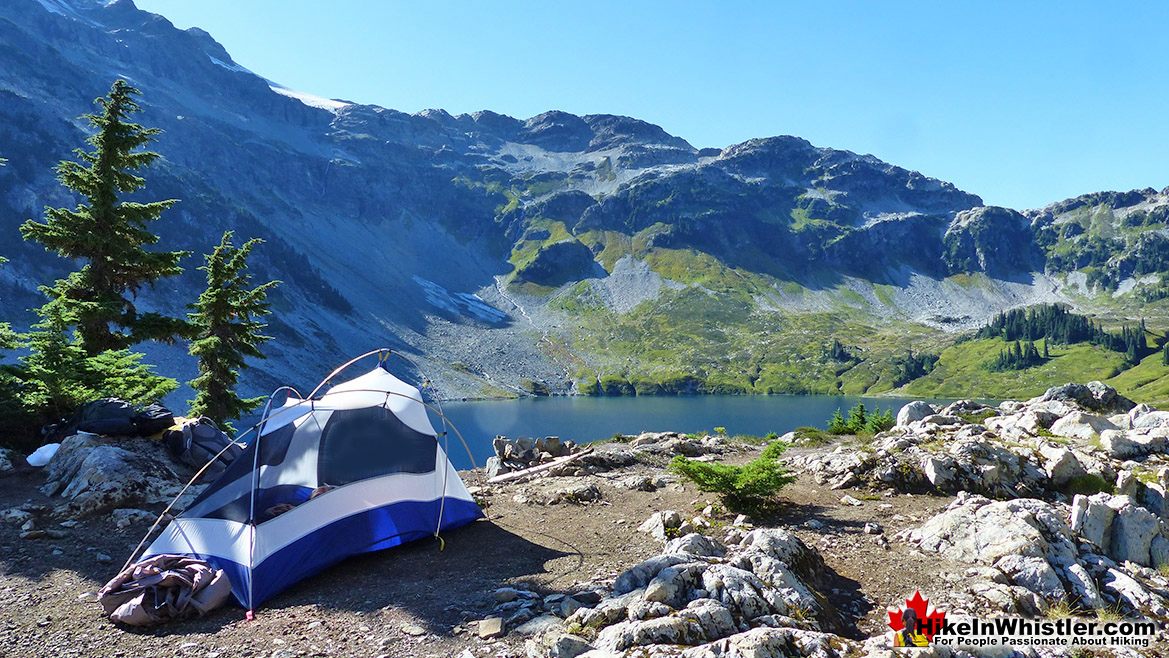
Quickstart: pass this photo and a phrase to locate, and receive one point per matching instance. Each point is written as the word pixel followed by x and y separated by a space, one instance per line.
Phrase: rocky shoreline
pixel 1044 508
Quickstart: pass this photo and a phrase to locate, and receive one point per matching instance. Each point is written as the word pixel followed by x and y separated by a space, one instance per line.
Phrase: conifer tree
pixel 7 337
pixel 59 377
pixel 227 329
pixel 109 235
pixel 1165 355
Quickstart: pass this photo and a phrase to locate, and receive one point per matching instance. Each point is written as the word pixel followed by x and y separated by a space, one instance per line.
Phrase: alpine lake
pixel 584 419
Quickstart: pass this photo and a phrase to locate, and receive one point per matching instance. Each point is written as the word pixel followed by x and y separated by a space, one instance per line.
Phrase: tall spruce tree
pixel 108 234
pixel 227 329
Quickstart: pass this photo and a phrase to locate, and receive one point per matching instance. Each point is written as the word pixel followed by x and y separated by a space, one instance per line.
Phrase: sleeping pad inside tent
pixel 356 470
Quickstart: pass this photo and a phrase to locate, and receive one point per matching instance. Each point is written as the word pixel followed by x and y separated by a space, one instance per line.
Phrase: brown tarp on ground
pixel 162 588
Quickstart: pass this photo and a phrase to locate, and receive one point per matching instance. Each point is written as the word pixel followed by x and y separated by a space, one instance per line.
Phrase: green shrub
pixel 812 436
pixel 1087 485
pixel 977 417
pixel 879 421
pixel 837 424
pixel 860 421
pixel 741 488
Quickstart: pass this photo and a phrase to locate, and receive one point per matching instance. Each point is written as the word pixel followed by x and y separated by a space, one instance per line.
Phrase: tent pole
pixel 199 473
pixel 345 365
pixel 252 506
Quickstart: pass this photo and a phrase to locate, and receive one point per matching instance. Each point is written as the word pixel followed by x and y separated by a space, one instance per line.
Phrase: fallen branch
pixel 526 473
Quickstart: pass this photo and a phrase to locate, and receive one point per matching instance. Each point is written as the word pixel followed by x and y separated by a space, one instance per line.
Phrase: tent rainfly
pixel 356 470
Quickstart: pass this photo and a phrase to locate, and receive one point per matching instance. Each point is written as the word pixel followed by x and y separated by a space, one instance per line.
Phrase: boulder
pixel 640 574
pixel 715 620
pixel 495 467
pixel 660 525
pixel 9 459
pixel 673 584
pixel 1093 396
pixel 975 529
pixel 1081 584
pixel 1091 518
pixel 1060 464
pixel 1033 573
pixel 96 474
pixel 914 411
pixel 741 591
pixel 608 611
pixel 1121 444
pixel 491 628
pixel 1080 425
pixel 938 471
pixel 662 630
pixel 695 544
pixel 775 642
pixel 1133 529
pixel 568 646
pixel 1034 421
pixel 1151 419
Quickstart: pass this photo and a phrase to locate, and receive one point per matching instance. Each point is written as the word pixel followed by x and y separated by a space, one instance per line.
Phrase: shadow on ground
pixel 441 584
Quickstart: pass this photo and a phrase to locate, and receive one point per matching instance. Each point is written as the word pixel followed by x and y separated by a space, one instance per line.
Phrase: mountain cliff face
pixel 563 250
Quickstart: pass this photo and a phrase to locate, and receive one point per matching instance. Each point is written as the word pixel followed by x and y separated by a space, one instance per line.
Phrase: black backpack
pixel 153 419
pixel 197 441
pixel 108 417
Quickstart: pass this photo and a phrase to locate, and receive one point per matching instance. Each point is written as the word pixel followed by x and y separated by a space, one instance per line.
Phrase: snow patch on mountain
pixel 329 104
pixel 459 303
pixel 229 66
pixel 62 8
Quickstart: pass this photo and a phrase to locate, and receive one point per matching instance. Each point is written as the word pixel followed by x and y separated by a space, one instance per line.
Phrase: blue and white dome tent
pixel 356 470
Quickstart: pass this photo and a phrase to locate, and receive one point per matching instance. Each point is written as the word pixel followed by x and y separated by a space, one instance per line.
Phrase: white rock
pixel 672 584
pixel 1060 464
pixel 659 523
pixel 1033 573
pixel 939 472
pixel 914 411
pixel 1133 529
pixel 1080 425
pixel 695 544
pixel 1151 419
pixel 1092 518
pixel 1083 586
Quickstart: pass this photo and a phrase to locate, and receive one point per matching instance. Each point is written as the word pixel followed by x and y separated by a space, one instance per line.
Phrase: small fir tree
pixel 59 376
pixel 107 234
pixel 227 329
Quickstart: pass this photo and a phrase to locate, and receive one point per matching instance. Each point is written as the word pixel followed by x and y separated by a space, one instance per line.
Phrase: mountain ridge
pixel 545 225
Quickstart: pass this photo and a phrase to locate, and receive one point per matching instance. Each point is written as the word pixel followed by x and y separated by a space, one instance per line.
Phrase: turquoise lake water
pixel 584 419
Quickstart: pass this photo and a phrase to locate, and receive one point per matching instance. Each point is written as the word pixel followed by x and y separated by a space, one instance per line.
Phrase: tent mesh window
pixel 358 444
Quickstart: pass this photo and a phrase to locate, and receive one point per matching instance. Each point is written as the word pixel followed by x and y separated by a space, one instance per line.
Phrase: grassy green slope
pixel 717 335
pixel 961 373
pixel 1148 381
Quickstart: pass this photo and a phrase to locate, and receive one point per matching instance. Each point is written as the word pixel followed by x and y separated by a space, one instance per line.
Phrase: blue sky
pixel 1023 103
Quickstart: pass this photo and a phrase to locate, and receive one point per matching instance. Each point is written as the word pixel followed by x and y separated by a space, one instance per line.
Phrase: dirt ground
pixel 360 607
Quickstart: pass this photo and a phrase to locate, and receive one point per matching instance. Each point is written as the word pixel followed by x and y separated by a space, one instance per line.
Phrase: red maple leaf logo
pixel 929 619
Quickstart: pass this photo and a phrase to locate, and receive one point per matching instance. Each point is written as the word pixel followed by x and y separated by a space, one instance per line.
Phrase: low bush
pixel 860 421
pixel 742 488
